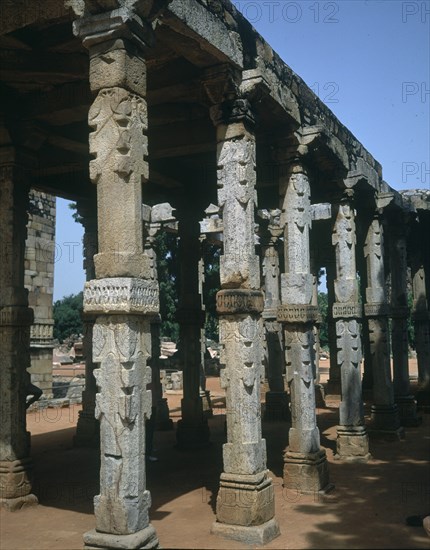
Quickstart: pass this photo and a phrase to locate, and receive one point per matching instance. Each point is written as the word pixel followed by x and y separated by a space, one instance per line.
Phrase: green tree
pixel 211 286
pixel 68 316
pixel 323 307
pixel 166 249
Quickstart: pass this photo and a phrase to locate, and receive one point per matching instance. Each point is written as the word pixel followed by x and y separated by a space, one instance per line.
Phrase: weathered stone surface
pixel 352 444
pixel 121 294
pixel 306 473
pixel 145 538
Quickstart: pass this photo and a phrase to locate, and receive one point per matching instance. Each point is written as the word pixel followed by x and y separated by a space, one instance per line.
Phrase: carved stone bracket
pixel 121 295
pixel 231 302
pixel 297 313
pixel 347 310
pixel 380 309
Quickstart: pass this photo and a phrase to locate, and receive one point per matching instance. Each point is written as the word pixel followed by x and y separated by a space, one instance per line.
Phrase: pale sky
pixel 367 60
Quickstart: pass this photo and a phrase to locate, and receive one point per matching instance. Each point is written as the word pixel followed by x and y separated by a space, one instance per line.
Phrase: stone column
pixel 421 318
pixel 192 429
pixel 385 414
pixel 204 393
pixel 319 388
pixel 333 382
pixel 124 295
pixel 305 463
pixel 277 400
pixel 245 505
pixel 88 429
pixel 399 327
pixel 15 320
pixel 352 439
pixel 163 422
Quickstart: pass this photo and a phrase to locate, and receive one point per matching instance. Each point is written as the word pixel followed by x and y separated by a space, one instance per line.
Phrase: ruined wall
pixel 39 280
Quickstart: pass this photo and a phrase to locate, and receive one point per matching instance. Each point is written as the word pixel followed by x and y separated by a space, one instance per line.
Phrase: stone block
pixel 306 473
pixel 249 535
pixel 145 538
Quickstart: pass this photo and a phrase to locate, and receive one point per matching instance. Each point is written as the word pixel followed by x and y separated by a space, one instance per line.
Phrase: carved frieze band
pixel 376 310
pixel 40 333
pixel 230 302
pixel 347 310
pixel 16 316
pixel 121 295
pixel 297 313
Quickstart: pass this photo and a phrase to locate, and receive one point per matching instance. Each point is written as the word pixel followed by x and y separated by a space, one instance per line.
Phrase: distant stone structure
pixel 39 280
pixel 130 106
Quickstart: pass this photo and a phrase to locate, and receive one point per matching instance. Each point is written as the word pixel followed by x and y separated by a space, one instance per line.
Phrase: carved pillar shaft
pixel 305 463
pixel 333 382
pixel 385 415
pixel 15 321
pixel 245 478
pixel 399 328
pixel 192 430
pixel 124 295
pixel 421 318
pixel 88 429
pixel 277 401
pixel 352 438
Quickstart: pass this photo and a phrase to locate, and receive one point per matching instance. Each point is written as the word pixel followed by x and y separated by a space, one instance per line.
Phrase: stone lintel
pixel 380 309
pixel 297 313
pixel 145 538
pixel 232 302
pixel 16 316
pixel 347 310
pixel 121 295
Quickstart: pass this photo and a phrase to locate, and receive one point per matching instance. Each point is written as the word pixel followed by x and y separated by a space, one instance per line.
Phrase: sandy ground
pixel 367 508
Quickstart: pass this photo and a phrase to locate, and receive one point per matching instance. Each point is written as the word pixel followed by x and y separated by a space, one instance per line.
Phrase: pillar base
pixel 386 422
pixel 319 396
pixel 192 436
pixel 146 538
pixel 14 504
pixel 245 501
pixel 306 472
pixel 277 406
pixel 408 410
pixel 352 444
pixel 163 422
pixel 206 403
pixel 423 400
pixel 258 534
pixel 87 431
pixel 15 484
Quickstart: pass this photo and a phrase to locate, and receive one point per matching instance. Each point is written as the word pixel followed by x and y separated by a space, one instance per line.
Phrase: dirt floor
pixel 367 508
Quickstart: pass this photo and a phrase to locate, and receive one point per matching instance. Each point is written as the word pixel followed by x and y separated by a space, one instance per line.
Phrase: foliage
pixel 211 286
pixel 323 307
pixel 67 316
pixel 166 250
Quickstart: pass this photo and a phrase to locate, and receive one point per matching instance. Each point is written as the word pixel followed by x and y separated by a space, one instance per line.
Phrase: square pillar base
pixel 307 473
pixel 277 406
pixel 146 538
pixel 385 423
pixel 245 500
pixel 14 504
pixel 255 534
pixel 408 410
pixel 352 444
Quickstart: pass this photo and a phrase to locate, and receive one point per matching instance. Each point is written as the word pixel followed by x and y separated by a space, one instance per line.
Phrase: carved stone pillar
pixel 399 327
pixel 385 414
pixel 352 439
pixel 333 382
pixel 192 429
pixel 15 320
pixel 305 463
pixel 124 295
pixel 277 400
pixel 421 318
pixel 88 429
pixel 319 388
pixel 245 505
